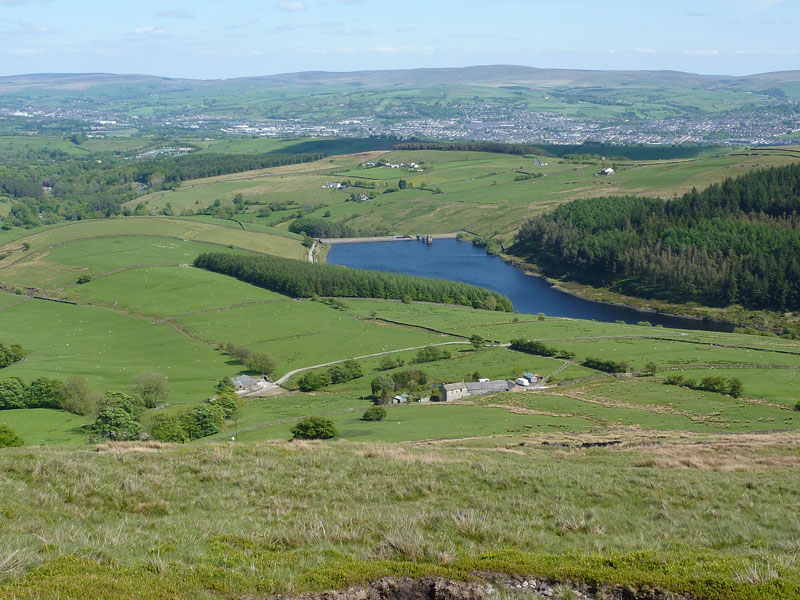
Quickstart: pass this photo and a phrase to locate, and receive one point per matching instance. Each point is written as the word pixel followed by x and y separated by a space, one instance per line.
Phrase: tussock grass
pixel 131 447
pixel 234 520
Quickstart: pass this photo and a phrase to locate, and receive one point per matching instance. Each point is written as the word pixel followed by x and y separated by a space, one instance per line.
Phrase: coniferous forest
pixel 734 242
pixel 303 280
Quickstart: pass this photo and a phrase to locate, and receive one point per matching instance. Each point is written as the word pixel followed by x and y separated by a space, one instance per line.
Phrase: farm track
pixel 288 375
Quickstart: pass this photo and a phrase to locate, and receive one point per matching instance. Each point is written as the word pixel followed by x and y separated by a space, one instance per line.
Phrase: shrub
pixel 228 402
pixel 374 413
pixel 45 393
pixel 608 366
pixel 169 428
pixel 314 428
pixel 13 393
pixel 390 362
pixel 262 363
pixel 9 437
pixel 10 354
pixel 77 398
pixel 151 387
pixel 345 371
pixel 133 405
pixel 430 354
pixel 114 423
pixel 83 278
pixel 313 380
pixel 674 379
pixel 202 421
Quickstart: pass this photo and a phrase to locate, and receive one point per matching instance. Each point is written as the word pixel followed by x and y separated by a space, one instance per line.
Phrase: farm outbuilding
pixel 453 391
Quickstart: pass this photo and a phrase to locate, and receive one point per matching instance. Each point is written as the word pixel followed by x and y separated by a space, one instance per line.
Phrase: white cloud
pixel 292 6
pixel 645 51
pixel 701 52
pixel 150 30
pixel 27 52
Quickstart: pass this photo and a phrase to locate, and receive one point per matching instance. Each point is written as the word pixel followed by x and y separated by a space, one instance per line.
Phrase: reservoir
pixel 461 261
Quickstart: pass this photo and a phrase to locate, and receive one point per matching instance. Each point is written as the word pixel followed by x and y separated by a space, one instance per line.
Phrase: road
pixel 288 375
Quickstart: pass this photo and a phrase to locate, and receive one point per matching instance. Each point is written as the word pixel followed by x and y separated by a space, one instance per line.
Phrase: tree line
pixel 301 279
pixel 734 242
pixel 49 187
pixel 496 147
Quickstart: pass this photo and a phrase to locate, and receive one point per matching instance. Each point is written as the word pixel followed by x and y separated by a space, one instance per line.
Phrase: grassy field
pixel 127 519
pixel 302 333
pixel 482 192
pixel 109 348
pixel 57 256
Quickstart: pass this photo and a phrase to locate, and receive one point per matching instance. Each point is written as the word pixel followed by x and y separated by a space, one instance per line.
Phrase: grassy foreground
pixel 712 520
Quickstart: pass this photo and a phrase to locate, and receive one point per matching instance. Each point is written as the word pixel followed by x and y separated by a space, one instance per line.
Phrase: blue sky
pixel 236 38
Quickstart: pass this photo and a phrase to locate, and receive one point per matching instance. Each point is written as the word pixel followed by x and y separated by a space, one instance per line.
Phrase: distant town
pixel 779 123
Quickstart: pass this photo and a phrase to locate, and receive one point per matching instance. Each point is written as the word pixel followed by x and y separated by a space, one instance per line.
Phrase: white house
pixel 607 171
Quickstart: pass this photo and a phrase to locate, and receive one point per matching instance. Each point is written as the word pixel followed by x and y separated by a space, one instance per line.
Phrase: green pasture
pixel 413 422
pixel 169 291
pixel 475 190
pixel 155 227
pixel 109 348
pixel 638 352
pixel 16 144
pixel 781 386
pixel 45 426
pixel 649 404
pixel 61 265
pixel 302 333
pixel 489 362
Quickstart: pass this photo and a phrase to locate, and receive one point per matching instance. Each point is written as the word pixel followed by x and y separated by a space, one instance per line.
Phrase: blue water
pixel 461 261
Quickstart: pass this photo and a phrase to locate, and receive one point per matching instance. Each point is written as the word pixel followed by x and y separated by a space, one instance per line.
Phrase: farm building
pixel 245 384
pixel 453 391
pixel 607 171
pixel 400 399
pixel 487 387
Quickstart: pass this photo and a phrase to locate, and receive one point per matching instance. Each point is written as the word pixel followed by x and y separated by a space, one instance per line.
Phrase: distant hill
pixel 486 75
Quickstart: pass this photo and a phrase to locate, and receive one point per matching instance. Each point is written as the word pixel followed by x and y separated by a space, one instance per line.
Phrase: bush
pixel 13 393
pixel 374 413
pixel 9 437
pixel 674 379
pixel 228 402
pixel 45 393
pixel 345 371
pixel 202 421
pixel 313 380
pixel 77 398
pixel 314 428
pixel 390 362
pixel 262 363
pixel 10 354
pixel 133 405
pixel 431 353
pixel 151 387
pixel 169 428
pixel 608 366
pixel 113 423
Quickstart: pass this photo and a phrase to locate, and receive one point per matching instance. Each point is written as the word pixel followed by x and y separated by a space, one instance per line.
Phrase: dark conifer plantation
pixel 303 280
pixel 735 242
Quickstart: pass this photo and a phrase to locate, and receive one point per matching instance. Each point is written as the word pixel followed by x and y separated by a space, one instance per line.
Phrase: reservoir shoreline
pixel 529 291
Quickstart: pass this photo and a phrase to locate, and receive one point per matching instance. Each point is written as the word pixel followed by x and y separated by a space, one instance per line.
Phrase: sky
pixel 239 38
